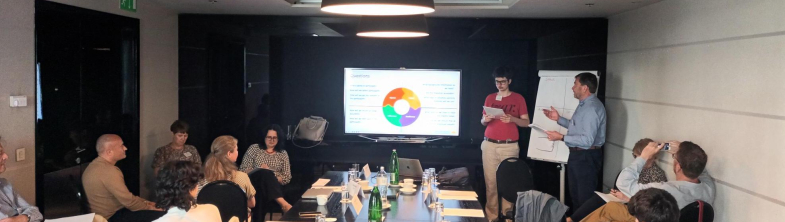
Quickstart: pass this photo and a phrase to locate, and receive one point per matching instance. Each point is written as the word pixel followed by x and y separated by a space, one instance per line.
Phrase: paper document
pixel 458 193
pixel 320 183
pixel 609 198
pixel 357 204
pixel 463 212
pixel 81 218
pixel 537 127
pixel 495 112
pixel 334 188
pixel 454 197
pixel 367 172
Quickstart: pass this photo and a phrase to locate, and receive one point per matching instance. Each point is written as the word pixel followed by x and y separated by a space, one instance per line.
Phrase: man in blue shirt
pixel 585 137
pixel 14 208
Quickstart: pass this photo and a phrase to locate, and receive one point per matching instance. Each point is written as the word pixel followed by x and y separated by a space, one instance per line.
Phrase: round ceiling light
pixel 393 26
pixel 378 7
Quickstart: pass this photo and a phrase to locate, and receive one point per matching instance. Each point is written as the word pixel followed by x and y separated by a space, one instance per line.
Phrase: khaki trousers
pixel 492 155
pixel 610 212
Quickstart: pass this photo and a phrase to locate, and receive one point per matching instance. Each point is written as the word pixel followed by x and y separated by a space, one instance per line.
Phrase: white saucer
pixel 386 206
pixel 408 191
pixel 368 188
pixel 395 185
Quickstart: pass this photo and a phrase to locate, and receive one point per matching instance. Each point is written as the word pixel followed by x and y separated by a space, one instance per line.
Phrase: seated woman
pixel 220 166
pixel 176 191
pixel 273 158
pixel 651 173
pixel 177 149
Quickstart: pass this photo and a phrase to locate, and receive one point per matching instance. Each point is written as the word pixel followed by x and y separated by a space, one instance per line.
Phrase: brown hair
pixel 692 159
pixel 653 205
pixel 218 166
pixel 589 80
pixel 638 148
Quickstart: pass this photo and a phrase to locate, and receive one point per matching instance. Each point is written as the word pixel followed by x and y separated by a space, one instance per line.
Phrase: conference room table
pixel 403 207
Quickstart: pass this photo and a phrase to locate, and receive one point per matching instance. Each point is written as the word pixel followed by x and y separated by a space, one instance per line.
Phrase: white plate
pixel 386 206
pixel 368 188
pixel 408 191
pixel 394 185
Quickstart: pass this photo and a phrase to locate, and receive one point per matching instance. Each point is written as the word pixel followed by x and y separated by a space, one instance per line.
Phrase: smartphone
pixel 666 147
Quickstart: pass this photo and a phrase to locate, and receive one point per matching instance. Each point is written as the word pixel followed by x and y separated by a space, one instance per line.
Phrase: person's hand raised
pixel 650 150
pixel 551 113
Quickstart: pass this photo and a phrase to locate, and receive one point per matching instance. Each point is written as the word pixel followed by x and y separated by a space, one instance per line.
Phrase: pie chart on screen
pixel 401 107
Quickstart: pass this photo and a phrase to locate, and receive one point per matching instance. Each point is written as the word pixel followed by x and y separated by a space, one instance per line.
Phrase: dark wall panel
pixel 311 73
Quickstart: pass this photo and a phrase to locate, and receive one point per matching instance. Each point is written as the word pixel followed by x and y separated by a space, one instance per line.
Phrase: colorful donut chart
pixel 389 107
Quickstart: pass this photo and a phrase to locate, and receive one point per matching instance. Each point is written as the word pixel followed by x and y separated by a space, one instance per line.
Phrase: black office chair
pixel 228 197
pixel 697 211
pixel 512 176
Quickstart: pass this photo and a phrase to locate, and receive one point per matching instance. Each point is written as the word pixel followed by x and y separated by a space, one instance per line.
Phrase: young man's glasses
pixel 502 82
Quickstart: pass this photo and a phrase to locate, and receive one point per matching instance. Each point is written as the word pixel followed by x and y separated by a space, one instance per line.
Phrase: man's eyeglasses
pixel 271 138
pixel 502 82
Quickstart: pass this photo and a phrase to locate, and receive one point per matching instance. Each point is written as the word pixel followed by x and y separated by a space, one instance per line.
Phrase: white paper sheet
pixel 320 183
pixel 334 188
pixel 367 172
pixel 81 218
pixel 609 198
pixel 357 204
pixel 494 112
pixel 452 197
pixel 463 212
pixel 458 193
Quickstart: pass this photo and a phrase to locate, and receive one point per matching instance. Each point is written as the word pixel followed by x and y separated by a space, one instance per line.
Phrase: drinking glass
pixel 344 193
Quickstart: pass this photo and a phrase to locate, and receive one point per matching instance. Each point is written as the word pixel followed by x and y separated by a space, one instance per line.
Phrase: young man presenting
pixel 501 135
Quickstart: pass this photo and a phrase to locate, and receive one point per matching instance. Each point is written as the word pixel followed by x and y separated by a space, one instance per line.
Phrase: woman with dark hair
pixel 176 191
pixel 220 165
pixel 272 158
pixel 177 149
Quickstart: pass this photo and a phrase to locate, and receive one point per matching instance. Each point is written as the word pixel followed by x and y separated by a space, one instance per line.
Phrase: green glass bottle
pixel 394 178
pixel 375 205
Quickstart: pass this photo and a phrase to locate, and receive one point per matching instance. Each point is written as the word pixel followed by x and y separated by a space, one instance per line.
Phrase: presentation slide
pixel 402 102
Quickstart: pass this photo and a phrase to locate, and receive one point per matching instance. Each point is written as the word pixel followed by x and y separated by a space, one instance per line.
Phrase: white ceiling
pixel 521 9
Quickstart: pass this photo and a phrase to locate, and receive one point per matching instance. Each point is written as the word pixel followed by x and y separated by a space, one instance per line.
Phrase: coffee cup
pixel 409 181
pixel 321 199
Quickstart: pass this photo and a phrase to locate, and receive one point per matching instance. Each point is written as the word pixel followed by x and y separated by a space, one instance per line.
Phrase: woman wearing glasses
pixel 273 164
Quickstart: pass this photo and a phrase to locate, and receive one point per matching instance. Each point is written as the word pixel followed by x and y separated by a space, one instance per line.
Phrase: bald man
pixel 105 185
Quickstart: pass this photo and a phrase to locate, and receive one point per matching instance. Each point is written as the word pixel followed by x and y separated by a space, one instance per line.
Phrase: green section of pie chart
pixel 391 115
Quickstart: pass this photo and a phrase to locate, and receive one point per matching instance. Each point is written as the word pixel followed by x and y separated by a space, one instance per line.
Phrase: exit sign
pixel 128 5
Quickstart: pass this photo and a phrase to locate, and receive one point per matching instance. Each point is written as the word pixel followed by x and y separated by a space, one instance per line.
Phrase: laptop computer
pixel 409 168
pixel 313 192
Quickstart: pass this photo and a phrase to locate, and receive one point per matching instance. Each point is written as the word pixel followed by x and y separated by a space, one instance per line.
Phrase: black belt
pixel 508 141
pixel 581 149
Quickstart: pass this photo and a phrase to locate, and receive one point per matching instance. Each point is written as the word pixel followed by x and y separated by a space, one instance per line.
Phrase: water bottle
pixel 382 182
pixel 375 205
pixel 394 168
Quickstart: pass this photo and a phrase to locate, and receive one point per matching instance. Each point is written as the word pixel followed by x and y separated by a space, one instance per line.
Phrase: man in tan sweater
pixel 105 186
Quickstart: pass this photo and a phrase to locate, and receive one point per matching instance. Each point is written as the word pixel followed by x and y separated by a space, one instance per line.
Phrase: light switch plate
pixel 18 101
pixel 20 154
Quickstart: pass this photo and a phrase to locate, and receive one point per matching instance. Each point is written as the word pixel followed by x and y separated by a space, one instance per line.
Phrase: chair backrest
pixel 697 211
pixel 512 176
pixel 227 196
